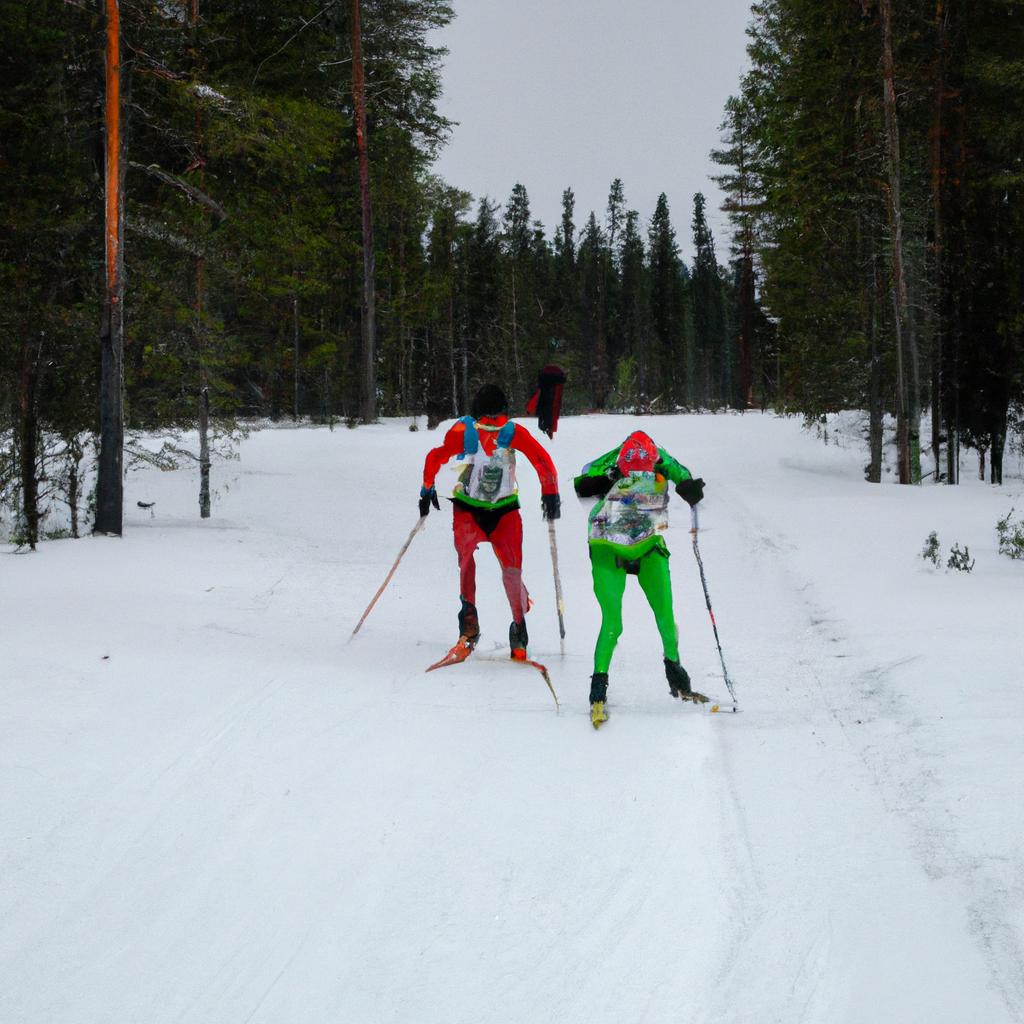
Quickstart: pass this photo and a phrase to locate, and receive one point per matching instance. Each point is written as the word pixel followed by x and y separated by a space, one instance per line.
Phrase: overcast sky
pixel 574 93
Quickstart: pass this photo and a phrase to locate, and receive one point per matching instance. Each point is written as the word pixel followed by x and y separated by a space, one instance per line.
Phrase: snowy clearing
pixel 216 809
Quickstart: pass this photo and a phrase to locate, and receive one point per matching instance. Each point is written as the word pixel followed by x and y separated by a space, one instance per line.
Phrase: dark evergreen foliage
pixel 881 299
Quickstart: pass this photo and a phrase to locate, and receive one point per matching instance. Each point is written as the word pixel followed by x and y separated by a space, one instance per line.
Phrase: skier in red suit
pixel 485 504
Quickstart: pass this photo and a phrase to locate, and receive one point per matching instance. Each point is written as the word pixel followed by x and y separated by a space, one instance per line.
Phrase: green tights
pixel 609 586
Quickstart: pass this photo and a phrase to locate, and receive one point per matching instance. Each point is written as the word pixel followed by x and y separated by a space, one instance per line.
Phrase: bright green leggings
pixel 609 586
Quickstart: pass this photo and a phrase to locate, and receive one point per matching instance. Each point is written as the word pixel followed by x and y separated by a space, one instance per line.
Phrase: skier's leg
pixel 467 535
pixel 656 582
pixel 507 541
pixel 609 586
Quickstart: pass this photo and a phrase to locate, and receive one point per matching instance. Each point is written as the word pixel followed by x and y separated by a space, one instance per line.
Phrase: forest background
pixel 288 251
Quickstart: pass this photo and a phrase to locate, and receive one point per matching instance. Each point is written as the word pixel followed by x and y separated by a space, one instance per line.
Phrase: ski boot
pixel 598 695
pixel 679 683
pixel 517 640
pixel 469 624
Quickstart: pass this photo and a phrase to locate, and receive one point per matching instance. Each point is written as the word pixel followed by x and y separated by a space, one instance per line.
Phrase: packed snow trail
pixel 217 809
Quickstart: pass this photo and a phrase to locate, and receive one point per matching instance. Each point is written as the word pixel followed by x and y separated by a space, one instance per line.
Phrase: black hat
pixel 490 400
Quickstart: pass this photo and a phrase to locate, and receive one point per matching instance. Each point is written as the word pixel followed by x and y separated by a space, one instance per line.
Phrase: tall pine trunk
pixel 938 252
pixel 200 301
pixel 28 443
pixel 110 482
pixel 369 322
pixel 295 353
pixel 908 409
pixel 745 397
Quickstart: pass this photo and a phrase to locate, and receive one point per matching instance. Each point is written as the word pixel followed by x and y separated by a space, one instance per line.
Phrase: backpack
pixel 487 479
pixel 634 510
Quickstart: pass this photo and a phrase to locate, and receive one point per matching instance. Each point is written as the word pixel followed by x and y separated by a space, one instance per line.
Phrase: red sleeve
pixel 453 444
pixel 523 441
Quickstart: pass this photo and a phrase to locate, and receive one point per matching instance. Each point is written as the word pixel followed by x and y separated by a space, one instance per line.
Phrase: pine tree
pixel 670 374
pixel 743 205
pixel 593 259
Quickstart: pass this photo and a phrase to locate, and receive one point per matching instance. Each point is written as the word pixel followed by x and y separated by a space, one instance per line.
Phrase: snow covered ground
pixel 217 809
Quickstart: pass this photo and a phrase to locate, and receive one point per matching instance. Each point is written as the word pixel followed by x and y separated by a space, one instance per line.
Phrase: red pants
pixel 507 541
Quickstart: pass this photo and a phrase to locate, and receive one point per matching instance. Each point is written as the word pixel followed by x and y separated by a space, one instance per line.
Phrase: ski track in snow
pixel 906 785
pixel 217 809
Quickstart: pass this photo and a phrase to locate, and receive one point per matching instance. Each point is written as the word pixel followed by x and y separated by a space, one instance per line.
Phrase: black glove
pixel 691 491
pixel 592 486
pixel 428 497
pixel 552 506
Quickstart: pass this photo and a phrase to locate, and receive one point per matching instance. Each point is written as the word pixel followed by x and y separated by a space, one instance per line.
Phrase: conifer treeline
pixel 243 255
pixel 874 161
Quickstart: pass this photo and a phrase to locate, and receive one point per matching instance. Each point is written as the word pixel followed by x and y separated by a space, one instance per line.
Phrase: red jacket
pixel 522 441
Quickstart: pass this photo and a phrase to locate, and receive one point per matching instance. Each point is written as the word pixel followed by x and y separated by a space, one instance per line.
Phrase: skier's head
pixel 490 400
pixel 638 454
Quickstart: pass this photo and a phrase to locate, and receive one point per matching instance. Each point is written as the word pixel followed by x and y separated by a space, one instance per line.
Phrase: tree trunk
pixel 200 285
pixel 938 254
pixel 74 459
pixel 998 446
pixel 746 332
pixel 110 482
pixel 204 397
pixel 876 411
pixel 369 324
pixel 908 409
pixel 28 444
pixel 295 353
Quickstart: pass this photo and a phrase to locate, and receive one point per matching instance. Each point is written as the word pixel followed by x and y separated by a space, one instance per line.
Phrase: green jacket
pixel 598 478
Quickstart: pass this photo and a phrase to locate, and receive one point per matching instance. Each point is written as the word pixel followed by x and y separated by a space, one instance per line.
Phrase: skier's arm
pixel 452 445
pixel 523 441
pixel 689 489
pixel 597 476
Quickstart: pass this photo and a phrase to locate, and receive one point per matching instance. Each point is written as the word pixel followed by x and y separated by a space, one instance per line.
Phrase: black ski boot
pixel 678 679
pixel 469 624
pixel 517 640
pixel 679 683
pixel 598 695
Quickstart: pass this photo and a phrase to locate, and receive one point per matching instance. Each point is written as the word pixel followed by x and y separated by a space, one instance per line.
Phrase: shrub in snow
pixel 931 549
pixel 1011 536
pixel 960 559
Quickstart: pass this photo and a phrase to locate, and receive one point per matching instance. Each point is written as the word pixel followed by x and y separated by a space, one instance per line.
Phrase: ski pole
pixel 387 579
pixel 558 583
pixel 694 527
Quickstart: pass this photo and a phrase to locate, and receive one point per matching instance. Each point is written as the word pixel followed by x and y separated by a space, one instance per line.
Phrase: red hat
pixel 638 454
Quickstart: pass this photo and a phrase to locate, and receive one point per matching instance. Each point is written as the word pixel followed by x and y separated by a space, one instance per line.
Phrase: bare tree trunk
pixel 28 444
pixel 746 332
pixel 938 253
pixel 908 409
pixel 204 396
pixel 110 482
pixel 876 411
pixel 200 286
pixel 369 402
pixel 295 352
pixel 74 459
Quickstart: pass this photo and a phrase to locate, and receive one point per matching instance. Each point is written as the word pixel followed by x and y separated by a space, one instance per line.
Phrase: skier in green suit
pixel 626 538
